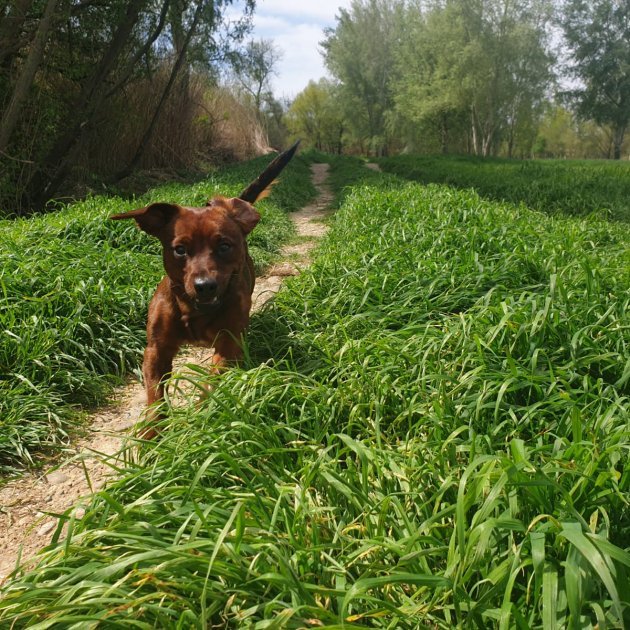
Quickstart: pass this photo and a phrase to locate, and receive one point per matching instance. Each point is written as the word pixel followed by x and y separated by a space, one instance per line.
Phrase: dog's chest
pixel 199 330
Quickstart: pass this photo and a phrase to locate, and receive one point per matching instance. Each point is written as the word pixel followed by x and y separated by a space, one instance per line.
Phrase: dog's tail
pixel 256 190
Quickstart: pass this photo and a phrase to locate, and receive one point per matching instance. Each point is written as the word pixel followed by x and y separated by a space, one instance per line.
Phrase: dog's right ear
pixel 152 218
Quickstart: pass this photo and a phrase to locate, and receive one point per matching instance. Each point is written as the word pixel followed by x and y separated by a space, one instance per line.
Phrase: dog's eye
pixel 224 247
pixel 179 251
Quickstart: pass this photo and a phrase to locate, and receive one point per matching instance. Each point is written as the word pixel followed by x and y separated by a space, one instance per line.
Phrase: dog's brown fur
pixel 206 295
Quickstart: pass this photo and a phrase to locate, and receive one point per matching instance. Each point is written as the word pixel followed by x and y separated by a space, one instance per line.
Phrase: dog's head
pixel 202 248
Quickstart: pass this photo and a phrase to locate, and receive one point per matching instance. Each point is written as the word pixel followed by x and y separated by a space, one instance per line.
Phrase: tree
pixel 531 77
pixel 68 67
pixel 359 53
pixel 181 41
pixel 557 134
pixel 274 122
pixel 427 93
pixel 55 166
pixel 12 31
pixel 316 117
pixel 597 34
pixel 564 135
pixel 27 75
pixel 253 68
pixel 485 58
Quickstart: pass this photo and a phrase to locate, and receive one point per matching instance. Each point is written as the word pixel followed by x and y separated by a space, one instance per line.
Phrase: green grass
pixel 431 430
pixel 74 290
pixel 575 187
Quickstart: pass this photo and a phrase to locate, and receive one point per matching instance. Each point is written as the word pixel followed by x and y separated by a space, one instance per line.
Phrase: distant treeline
pixel 92 91
pixel 483 77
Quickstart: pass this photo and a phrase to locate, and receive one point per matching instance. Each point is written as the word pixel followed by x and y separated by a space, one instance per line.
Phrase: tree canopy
pixel 479 67
pixel 70 73
pixel 476 76
pixel 597 33
pixel 359 53
pixel 94 90
pixel 314 114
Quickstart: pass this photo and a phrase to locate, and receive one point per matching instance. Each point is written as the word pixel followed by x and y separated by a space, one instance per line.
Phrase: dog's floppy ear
pixel 243 213
pixel 151 218
pixel 259 188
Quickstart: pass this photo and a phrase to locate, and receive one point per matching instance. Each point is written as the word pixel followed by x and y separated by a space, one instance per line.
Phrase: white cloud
pixel 301 60
pixel 270 23
pixel 318 10
pixel 296 28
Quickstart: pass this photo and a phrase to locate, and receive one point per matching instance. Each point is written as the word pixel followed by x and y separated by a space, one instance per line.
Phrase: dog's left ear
pixel 152 218
pixel 243 213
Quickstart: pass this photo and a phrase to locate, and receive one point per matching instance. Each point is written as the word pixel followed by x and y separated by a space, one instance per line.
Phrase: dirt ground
pixel 29 503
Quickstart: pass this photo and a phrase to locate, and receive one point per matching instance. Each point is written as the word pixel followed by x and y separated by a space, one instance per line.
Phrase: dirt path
pixel 27 505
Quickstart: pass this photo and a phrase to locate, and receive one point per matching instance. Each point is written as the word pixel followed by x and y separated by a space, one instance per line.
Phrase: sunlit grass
pixel 74 290
pixel 576 187
pixel 431 430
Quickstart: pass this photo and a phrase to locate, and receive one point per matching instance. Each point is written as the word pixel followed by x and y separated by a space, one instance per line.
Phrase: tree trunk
pixel 132 64
pixel 180 37
pixel 148 134
pixel 27 75
pixel 511 135
pixel 486 144
pixel 11 31
pixel 60 159
pixel 487 140
pixel 473 129
pixel 618 135
pixel 443 134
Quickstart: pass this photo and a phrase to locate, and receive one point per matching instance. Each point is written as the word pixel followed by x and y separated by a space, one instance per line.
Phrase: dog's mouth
pixel 207 305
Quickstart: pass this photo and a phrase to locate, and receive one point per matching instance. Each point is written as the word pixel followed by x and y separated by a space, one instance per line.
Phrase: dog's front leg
pixel 157 364
pixel 227 350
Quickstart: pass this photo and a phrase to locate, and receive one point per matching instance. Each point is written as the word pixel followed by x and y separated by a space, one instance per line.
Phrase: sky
pixel 296 27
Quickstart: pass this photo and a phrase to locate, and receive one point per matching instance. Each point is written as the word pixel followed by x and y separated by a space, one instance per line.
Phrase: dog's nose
pixel 206 287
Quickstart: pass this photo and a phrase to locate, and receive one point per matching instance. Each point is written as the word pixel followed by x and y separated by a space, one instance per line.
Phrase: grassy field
pixel 596 187
pixel 74 290
pixel 431 430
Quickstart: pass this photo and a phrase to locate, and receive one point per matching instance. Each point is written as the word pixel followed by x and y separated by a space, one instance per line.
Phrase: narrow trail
pixel 29 503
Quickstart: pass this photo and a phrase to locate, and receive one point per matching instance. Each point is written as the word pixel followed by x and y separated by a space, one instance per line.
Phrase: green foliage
pixel 598 38
pixel 253 68
pixel 564 135
pixel 314 116
pixel 572 187
pixel 114 76
pixel 437 437
pixel 487 60
pixel 457 75
pixel 359 53
pixel 74 290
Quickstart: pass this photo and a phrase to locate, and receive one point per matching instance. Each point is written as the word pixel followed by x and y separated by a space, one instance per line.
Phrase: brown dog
pixel 205 297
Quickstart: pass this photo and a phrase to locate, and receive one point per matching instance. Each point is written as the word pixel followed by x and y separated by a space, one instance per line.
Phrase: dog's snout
pixel 206 287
